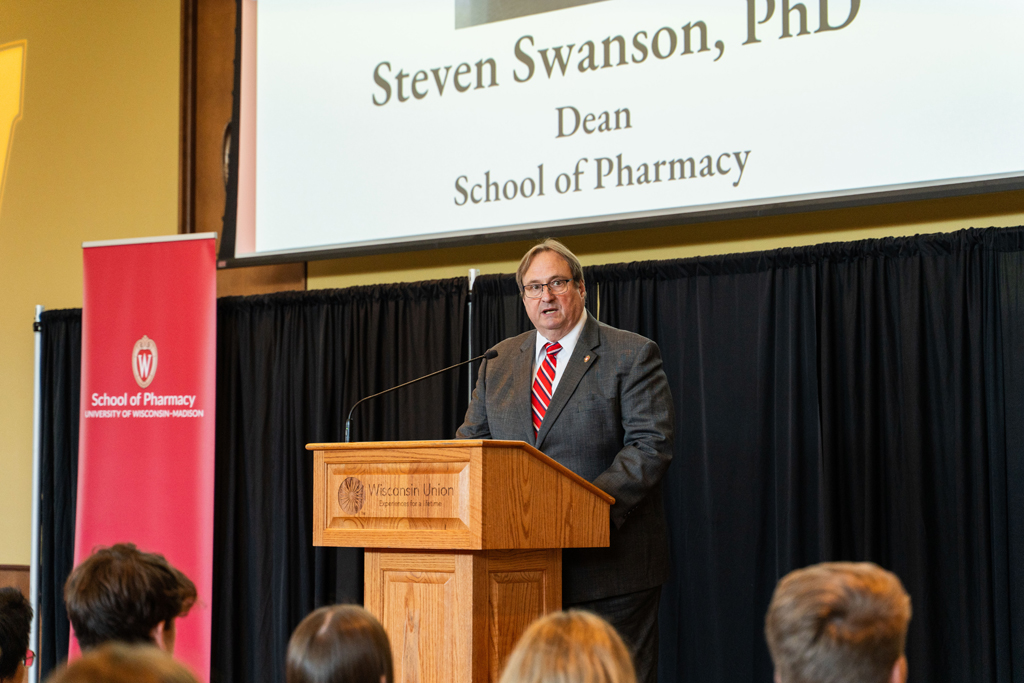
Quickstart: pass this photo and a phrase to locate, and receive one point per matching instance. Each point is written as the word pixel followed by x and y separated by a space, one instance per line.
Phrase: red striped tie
pixel 542 384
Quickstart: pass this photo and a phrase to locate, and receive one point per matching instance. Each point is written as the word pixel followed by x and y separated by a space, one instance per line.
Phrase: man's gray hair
pixel 576 270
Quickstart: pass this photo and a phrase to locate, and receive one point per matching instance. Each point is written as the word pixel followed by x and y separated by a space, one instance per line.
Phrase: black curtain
pixel 289 367
pixel 58 477
pixel 498 311
pixel 850 401
pixel 859 401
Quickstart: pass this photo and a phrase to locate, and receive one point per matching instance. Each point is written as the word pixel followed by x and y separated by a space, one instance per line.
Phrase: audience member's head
pixel 123 594
pixel 339 644
pixel 15 624
pixel 839 622
pixel 124 663
pixel 569 647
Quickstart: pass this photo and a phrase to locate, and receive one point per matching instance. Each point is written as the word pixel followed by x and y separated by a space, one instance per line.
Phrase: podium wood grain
pixel 455 616
pixel 463 543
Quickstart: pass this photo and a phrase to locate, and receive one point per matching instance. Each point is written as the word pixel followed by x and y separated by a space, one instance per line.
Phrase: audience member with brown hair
pixel 123 594
pixel 839 622
pixel 124 663
pixel 15 626
pixel 569 647
pixel 339 644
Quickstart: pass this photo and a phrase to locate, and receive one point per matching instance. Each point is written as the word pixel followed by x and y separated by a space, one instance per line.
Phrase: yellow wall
pixel 1004 209
pixel 95 156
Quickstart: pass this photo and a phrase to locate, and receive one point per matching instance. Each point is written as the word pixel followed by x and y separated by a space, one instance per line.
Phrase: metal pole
pixel 473 274
pixel 37 442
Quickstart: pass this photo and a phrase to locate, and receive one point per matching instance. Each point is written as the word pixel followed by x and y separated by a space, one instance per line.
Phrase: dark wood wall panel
pixel 16 575
pixel 208 53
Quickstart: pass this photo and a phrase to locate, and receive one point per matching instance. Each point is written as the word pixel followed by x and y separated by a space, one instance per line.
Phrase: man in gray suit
pixel 595 399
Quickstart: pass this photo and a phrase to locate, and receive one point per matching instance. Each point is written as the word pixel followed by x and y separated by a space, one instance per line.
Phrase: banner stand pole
pixel 37 444
pixel 473 274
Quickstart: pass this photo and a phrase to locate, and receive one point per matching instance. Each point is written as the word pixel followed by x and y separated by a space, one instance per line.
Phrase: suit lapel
pixel 523 387
pixel 590 338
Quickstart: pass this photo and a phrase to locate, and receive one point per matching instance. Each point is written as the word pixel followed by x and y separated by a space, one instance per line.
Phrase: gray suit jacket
pixel 610 421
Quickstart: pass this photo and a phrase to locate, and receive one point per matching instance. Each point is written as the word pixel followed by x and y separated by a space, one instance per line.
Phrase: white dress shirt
pixel 568 343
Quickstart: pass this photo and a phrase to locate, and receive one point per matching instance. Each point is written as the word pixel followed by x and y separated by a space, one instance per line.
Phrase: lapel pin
pixel 586 359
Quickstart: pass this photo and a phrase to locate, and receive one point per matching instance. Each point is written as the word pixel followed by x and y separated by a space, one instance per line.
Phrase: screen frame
pixel 681 216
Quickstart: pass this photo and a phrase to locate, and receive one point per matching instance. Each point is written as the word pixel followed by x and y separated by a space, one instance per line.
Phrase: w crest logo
pixel 144 360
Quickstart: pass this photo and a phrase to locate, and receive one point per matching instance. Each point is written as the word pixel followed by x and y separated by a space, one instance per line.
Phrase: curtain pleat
pixel 498 311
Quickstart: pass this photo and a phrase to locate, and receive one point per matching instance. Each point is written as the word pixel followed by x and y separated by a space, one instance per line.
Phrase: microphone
pixel 490 355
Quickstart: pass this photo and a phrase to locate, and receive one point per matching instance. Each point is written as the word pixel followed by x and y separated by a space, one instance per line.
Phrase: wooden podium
pixel 463 543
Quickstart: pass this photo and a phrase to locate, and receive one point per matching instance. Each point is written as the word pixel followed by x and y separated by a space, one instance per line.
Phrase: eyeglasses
pixel 29 658
pixel 555 287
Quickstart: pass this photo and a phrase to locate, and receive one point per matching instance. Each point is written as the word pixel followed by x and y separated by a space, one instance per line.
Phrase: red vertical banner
pixel 145 457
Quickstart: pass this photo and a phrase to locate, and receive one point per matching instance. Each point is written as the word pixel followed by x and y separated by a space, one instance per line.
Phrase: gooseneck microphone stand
pixel 490 355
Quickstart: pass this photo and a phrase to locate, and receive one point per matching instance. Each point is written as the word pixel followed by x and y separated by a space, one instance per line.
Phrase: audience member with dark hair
pixel 124 663
pixel 839 622
pixel 15 626
pixel 123 594
pixel 569 647
pixel 339 644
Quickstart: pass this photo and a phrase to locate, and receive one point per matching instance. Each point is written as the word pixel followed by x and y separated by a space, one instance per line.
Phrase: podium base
pixel 456 615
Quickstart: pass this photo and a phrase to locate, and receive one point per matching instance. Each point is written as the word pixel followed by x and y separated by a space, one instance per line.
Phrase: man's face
pixel 553 315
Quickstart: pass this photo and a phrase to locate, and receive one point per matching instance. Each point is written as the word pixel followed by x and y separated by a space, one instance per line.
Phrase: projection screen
pixel 399 124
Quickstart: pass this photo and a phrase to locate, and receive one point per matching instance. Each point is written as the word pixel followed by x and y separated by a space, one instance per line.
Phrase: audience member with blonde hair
pixel 339 644
pixel 839 622
pixel 569 647
pixel 118 662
